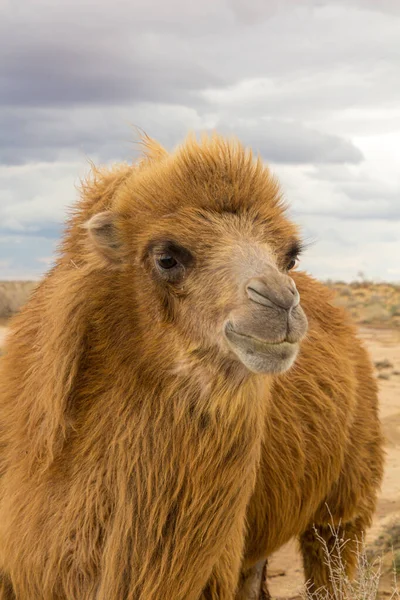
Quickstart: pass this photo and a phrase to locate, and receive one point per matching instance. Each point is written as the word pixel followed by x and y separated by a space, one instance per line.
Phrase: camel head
pixel 203 238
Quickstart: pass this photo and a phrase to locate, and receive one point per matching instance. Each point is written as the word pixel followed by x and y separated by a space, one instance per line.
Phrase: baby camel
pixel 146 402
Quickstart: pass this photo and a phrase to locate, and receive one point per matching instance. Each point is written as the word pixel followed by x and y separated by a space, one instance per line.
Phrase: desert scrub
pixel 13 295
pixel 365 585
pixel 369 303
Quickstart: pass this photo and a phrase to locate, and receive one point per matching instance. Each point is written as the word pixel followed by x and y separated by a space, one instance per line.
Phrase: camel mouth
pixel 261 356
pixel 231 331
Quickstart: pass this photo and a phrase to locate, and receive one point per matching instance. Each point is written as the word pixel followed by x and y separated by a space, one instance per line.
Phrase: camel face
pixel 234 297
pixel 228 289
pixel 204 238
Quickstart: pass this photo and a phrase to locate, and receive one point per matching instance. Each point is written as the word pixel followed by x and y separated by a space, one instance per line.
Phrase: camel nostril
pixel 273 292
pixel 259 296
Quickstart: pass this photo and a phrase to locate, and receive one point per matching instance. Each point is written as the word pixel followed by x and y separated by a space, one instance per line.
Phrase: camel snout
pixel 279 291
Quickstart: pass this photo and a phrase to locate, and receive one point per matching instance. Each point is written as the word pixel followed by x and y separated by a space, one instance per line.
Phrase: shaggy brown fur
pixel 131 430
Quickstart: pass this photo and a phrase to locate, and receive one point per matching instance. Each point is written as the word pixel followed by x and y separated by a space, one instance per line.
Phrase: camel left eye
pixel 167 262
pixel 291 264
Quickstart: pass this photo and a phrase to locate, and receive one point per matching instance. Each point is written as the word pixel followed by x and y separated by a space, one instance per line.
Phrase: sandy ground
pixel 286 577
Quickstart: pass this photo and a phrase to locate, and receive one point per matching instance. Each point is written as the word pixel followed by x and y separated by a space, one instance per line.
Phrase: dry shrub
pixel 365 586
pixel 370 303
pixel 13 294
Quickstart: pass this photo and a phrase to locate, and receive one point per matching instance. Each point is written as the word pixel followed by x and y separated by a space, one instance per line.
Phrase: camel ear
pixel 105 237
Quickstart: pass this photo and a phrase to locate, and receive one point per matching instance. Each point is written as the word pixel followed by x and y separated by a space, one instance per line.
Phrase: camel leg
pixel 253 583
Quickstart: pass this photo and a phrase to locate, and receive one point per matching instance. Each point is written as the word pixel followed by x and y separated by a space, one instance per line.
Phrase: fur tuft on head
pixel 152 150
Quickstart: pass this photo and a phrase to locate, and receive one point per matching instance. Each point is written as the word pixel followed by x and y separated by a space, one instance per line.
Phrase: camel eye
pixel 167 262
pixel 169 268
pixel 172 261
pixel 293 253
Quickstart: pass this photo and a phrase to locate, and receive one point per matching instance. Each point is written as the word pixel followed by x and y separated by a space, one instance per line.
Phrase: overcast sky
pixel 313 85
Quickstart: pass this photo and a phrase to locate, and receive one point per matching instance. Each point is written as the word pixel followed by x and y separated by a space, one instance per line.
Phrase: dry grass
pixel 371 304
pixel 13 294
pixel 366 584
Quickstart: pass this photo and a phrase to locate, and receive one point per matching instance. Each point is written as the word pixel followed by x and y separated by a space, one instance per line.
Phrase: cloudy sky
pixel 313 85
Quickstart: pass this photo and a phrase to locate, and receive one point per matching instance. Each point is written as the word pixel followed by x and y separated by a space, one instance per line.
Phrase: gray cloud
pixel 107 135
pixel 291 142
pixel 24 257
pixel 124 52
pixel 251 13
pixel 169 52
pixel 345 192
pixel 51 74
pixel 367 197
pixel 312 85
pixel 342 249
pixel 77 80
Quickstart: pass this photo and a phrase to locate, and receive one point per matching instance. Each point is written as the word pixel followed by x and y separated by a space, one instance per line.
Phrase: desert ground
pixel 376 309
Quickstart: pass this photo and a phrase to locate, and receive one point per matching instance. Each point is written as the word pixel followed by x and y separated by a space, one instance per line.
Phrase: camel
pixel 177 398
